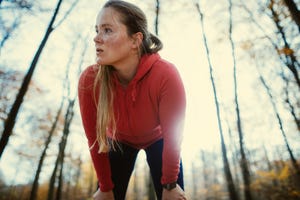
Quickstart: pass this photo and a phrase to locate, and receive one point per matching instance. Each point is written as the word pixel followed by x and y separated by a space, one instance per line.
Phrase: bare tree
pixel 61 154
pixel 68 120
pixel 284 58
pixel 280 123
pixel 34 189
pixel 287 52
pixel 295 13
pixel 10 121
pixel 230 184
pixel 234 150
pixel 243 161
pixel 66 130
pixel 291 107
pixel 157 11
pixel 60 177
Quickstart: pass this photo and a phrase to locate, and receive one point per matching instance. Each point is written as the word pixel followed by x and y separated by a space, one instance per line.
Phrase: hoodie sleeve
pixel 88 111
pixel 172 105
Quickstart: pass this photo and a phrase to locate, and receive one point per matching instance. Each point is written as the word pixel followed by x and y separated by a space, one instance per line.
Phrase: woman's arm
pixel 88 111
pixel 172 104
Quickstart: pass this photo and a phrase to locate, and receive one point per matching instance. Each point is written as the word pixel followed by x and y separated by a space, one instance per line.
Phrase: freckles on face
pixel 112 41
pixel 109 26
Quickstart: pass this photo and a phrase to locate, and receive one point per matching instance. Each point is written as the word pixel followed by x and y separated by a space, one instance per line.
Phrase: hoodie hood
pixel 145 65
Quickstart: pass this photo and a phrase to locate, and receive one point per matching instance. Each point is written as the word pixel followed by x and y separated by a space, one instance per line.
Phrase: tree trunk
pixel 244 162
pixel 290 58
pixel 295 13
pixel 234 150
pixel 293 159
pixel 53 179
pixel 60 157
pixel 287 59
pixel 60 178
pixel 157 16
pixel 41 161
pixel 10 121
pixel 290 105
pixel 230 185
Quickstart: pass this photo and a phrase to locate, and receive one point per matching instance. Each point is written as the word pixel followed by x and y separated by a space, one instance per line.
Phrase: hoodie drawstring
pixel 133 94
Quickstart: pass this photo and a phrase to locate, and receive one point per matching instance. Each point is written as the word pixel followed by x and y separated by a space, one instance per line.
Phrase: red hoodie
pixel 150 108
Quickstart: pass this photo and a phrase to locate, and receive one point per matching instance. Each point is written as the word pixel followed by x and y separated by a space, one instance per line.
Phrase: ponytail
pixel 151 44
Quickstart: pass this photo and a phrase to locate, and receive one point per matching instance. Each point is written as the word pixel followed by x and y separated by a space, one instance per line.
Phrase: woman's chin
pixel 99 61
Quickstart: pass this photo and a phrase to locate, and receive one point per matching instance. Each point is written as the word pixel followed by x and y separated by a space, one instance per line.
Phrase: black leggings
pixel 122 164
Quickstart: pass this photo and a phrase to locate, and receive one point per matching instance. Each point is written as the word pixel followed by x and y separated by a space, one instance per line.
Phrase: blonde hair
pixel 105 111
pixel 135 21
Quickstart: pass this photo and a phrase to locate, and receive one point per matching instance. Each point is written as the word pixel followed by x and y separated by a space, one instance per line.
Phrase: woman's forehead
pixel 108 16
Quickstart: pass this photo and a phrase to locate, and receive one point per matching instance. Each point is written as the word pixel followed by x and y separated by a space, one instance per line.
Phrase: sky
pixel 181 33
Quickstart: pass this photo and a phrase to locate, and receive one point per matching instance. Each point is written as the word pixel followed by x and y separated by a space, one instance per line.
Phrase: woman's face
pixel 113 45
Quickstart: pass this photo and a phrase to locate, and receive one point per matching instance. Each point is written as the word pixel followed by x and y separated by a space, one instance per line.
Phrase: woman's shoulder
pixel 87 77
pixel 164 68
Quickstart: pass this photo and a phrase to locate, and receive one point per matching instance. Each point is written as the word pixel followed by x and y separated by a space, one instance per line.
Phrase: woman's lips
pixel 99 50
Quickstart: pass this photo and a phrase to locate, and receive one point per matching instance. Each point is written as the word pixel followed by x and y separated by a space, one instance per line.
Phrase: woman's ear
pixel 137 39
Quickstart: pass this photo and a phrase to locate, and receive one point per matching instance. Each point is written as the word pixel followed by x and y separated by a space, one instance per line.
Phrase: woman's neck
pixel 127 71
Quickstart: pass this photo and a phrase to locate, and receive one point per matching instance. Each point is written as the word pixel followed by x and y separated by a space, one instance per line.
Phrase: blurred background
pixel 239 61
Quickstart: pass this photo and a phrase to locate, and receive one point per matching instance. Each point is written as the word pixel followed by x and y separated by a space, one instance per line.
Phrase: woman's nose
pixel 98 38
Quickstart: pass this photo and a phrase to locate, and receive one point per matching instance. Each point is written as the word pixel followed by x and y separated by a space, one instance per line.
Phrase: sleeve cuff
pixel 106 187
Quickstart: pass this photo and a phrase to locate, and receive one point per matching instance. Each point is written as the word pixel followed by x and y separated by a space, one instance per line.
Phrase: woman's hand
pixel 103 195
pixel 174 194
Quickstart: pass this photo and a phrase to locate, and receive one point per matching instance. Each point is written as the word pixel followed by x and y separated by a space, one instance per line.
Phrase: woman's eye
pixel 103 31
pixel 107 30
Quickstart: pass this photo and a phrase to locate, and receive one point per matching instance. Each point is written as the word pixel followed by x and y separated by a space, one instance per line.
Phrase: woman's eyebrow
pixel 106 25
pixel 103 25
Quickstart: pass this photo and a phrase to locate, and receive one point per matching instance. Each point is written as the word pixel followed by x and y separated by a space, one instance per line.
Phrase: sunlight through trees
pixel 240 64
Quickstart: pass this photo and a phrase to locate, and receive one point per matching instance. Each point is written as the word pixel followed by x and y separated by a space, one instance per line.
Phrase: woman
pixel 130 100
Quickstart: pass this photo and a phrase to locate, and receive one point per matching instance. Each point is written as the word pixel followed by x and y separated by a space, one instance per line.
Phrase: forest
pixel 239 61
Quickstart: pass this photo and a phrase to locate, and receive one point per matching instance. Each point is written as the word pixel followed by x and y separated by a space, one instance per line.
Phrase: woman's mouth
pixel 98 51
